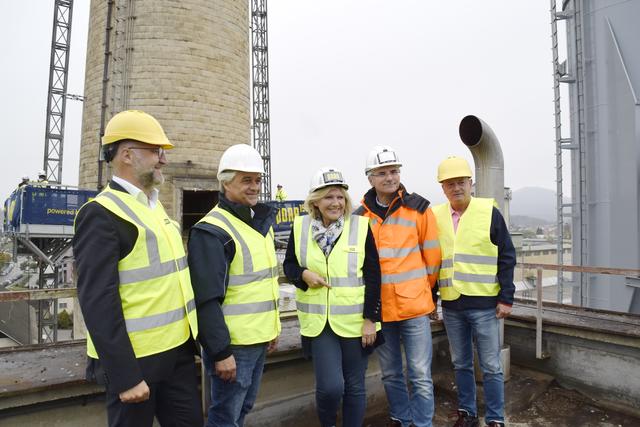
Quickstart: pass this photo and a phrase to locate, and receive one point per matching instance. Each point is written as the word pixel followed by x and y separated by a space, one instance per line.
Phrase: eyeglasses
pixel 392 172
pixel 159 151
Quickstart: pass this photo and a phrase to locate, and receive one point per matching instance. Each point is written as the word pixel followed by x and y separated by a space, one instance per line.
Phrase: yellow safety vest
pixel 12 207
pixel 342 270
pixel 155 286
pixel 250 305
pixel 469 258
pixel 281 195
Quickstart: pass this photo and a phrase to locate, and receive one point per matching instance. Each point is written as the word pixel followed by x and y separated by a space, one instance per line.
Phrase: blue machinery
pixel 40 221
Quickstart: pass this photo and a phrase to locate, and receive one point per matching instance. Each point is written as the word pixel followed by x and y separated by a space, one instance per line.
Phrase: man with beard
pixel 134 285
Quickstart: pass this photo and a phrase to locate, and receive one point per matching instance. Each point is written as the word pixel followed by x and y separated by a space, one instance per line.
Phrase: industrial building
pixel 203 72
pixel 187 65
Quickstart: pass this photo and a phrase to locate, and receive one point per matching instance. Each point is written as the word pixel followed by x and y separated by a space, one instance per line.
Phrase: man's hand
pixel 135 394
pixel 503 311
pixel 273 344
pixel 434 315
pixel 368 333
pixel 226 369
pixel 314 280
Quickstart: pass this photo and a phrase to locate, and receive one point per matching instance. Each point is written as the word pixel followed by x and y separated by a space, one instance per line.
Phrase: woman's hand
pixel 368 333
pixel 314 280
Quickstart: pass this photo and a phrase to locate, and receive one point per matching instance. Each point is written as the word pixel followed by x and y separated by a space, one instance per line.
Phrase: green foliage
pixel 65 321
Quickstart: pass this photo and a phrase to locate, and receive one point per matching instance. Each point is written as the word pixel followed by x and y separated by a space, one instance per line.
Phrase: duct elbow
pixel 479 137
pixel 487 156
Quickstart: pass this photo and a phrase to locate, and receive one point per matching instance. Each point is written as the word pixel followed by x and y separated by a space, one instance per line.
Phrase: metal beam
pixel 56 99
pixel 105 86
pixel 582 269
pixel 38 294
pixel 260 92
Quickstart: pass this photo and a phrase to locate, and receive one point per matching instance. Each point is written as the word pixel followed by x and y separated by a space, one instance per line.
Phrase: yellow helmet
pixel 453 167
pixel 136 125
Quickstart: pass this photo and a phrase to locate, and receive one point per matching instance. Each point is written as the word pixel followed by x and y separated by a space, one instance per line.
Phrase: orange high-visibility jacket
pixel 409 250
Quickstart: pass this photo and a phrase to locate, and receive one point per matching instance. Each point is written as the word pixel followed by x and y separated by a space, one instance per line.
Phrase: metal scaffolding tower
pixel 260 79
pixel 570 71
pixel 56 100
pixel 105 87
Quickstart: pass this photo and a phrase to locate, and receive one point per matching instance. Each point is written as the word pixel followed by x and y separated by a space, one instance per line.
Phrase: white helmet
pixel 381 155
pixel 241 157
pixel 41 173
pixel 325 177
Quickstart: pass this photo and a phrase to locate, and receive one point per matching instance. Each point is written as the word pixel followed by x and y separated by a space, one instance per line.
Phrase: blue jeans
pixel 415 334
pixel 339 365
pixel 482 325
pixel 232 401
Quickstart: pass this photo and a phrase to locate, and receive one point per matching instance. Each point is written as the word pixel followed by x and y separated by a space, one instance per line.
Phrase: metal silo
pixel 604 84
pixel 186 63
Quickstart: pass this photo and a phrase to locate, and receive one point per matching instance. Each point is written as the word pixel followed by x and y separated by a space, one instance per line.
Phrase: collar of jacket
pixel 263 215
pixel 402 198
pixel 115 186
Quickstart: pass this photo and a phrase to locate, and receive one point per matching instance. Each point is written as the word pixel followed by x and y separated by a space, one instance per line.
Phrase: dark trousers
pixel 340 365
pixel 175 401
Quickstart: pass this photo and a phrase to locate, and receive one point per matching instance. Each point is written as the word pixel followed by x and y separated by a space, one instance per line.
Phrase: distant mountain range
pixel 534 203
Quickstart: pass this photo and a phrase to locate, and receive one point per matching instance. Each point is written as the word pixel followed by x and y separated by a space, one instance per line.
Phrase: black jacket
pixel 102 239
pixel 211 251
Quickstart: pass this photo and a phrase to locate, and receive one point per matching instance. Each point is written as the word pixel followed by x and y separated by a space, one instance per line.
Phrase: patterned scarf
pixel 326 236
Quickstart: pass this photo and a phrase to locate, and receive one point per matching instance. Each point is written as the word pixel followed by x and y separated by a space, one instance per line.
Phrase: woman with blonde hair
pixel 333 261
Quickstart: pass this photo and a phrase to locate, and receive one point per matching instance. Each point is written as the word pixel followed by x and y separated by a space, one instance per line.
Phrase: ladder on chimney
pixel 570 71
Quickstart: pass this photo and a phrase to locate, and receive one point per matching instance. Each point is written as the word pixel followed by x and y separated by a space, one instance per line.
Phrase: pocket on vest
pixel 411 298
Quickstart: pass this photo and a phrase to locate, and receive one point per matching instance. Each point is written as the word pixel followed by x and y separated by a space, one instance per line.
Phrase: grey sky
pixel 345 75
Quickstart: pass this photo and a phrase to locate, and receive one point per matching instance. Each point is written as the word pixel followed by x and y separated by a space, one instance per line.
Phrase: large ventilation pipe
pixel 487 156
pixel 489 182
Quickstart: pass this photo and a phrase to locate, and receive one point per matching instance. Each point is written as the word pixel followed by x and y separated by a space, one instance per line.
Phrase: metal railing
pixel 38 294
pixel 540 354
pixel 44 294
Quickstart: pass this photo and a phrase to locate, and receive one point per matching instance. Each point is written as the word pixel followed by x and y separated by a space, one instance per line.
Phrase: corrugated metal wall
pixel 603 52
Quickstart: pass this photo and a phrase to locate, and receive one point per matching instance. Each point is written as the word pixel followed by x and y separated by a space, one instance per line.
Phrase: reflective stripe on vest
pixel 409 251
pixel 311 308
pixel 250 305
pixel 249 308
pixel 399 221
pixel 469 258
pixel 156 268
pixel 166 323
pixel 342 270
pixel 403 252
pixel 352 278
pixel 403 277
pixel 247 261
pixel 156 320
